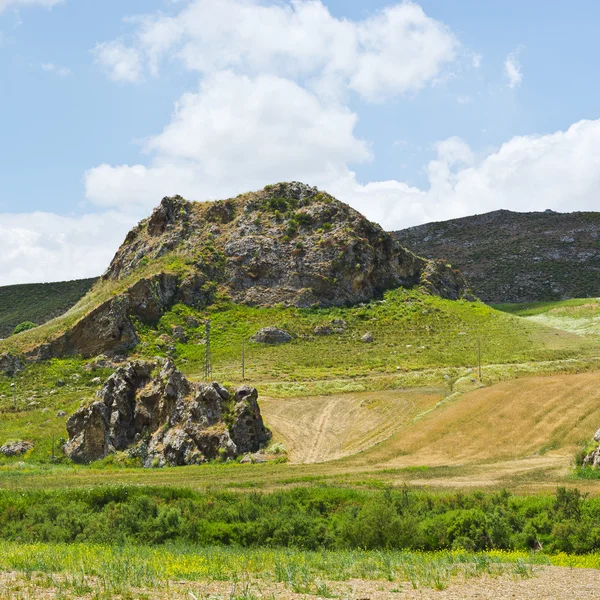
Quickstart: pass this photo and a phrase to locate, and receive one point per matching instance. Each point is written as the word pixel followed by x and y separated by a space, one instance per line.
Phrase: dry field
pixel 528 428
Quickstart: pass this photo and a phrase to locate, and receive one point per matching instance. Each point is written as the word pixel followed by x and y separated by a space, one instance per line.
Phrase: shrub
pixel 24 326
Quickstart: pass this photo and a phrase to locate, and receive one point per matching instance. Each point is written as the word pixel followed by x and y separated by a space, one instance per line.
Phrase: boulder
pixel 323 330
pixel 367 338
pixel 271 335
pixel 164 419
pixel 16 448
pixel 10 364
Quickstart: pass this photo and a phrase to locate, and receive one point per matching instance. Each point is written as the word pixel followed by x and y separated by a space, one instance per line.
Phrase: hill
pixel 288 244
pixel 517 257
pixel 38 302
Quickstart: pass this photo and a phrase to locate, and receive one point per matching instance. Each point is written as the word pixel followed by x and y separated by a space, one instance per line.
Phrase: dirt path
pixel 320 428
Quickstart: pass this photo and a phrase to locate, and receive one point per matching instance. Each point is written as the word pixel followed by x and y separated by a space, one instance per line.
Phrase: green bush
pixel 24 326
pixel 307 518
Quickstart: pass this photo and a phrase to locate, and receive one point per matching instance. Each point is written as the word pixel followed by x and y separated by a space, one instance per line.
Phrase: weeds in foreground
pixel 101 571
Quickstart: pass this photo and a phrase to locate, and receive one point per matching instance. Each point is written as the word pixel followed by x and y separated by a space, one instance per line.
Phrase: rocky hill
pixel 38 302
pixel 517 257
pixel 287 244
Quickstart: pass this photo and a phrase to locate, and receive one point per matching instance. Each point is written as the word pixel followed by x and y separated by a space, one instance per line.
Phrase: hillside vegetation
pixel 517 257
pixel 38 302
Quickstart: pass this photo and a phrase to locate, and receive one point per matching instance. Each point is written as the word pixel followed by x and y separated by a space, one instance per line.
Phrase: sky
pixel 409 111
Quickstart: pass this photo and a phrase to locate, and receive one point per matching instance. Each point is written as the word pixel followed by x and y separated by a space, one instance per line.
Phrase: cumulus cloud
pixel 120 62
pixel 4 4
pixel 41 246
pixel 396 50
pixel 560 171
pixel 57 70
pixel 215 143
pixel 512 70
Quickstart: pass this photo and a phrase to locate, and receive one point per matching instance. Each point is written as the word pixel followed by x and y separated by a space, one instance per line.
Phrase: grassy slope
pixel 38 302
pixel 420 342
pixel 580 315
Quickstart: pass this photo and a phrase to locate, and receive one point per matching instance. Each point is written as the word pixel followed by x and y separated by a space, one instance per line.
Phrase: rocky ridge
pixel 517 257
pixel 287 244
pixel 163 419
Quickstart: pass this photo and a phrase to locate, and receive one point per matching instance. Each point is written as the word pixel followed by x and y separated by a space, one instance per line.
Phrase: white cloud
pixel 216 141
pixel 560 171
pixel 40 246
pixel 59 71
pixel 121 62
pixel 4 4
pixel 397 50
pixel 512 70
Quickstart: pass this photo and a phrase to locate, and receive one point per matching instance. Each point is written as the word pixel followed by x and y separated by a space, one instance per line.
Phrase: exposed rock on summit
pixel 165 420
pixel 288 244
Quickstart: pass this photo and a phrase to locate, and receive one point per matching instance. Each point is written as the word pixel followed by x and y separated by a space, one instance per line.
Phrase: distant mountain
pixel 38 302
pixel 517 257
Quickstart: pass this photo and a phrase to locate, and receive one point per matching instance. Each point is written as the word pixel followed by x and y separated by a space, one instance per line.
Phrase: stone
pixel 96 381
pixel 179 333
pixel 248 431
pixel 10 364
pixel 61 413
pixel 323 330
pixel 271 335
pixel 16 448
pixel 367 338
pixel 165 420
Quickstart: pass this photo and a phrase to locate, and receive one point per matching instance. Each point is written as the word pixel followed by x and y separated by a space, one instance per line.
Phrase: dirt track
pixel 321 428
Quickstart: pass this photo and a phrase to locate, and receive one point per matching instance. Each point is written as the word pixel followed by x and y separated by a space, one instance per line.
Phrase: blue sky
pixel 408 111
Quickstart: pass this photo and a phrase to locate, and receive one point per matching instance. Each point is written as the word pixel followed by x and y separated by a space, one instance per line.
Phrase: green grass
pixel 580 316
pixel 576 307
pixel 38 302
pixel 413 332
pixel 420 340
pixel 107 570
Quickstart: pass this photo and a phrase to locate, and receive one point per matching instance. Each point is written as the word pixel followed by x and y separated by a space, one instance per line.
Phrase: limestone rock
pixel 271 335
pixel 16 448
pixel 164 419
pixel 323 330
pixel 248 430
pixel 10 364
pixel 288 244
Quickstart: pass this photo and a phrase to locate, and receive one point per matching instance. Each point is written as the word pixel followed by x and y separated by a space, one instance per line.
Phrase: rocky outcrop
pixel 16 448
pixel 288 244
pixel 271 335
pixel 10 364
pixel 164 419
pixel 592 459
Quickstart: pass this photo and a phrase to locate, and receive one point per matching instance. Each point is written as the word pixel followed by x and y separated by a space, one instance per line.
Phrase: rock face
pixel 287 244
pixel 16 448
pixel 10 365
pixel 517 257
pixel 271 335
pixel 165 419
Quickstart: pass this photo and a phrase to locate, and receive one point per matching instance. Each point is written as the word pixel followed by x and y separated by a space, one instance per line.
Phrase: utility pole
pixel 479 357
pixel 207 358
pixel 243 360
